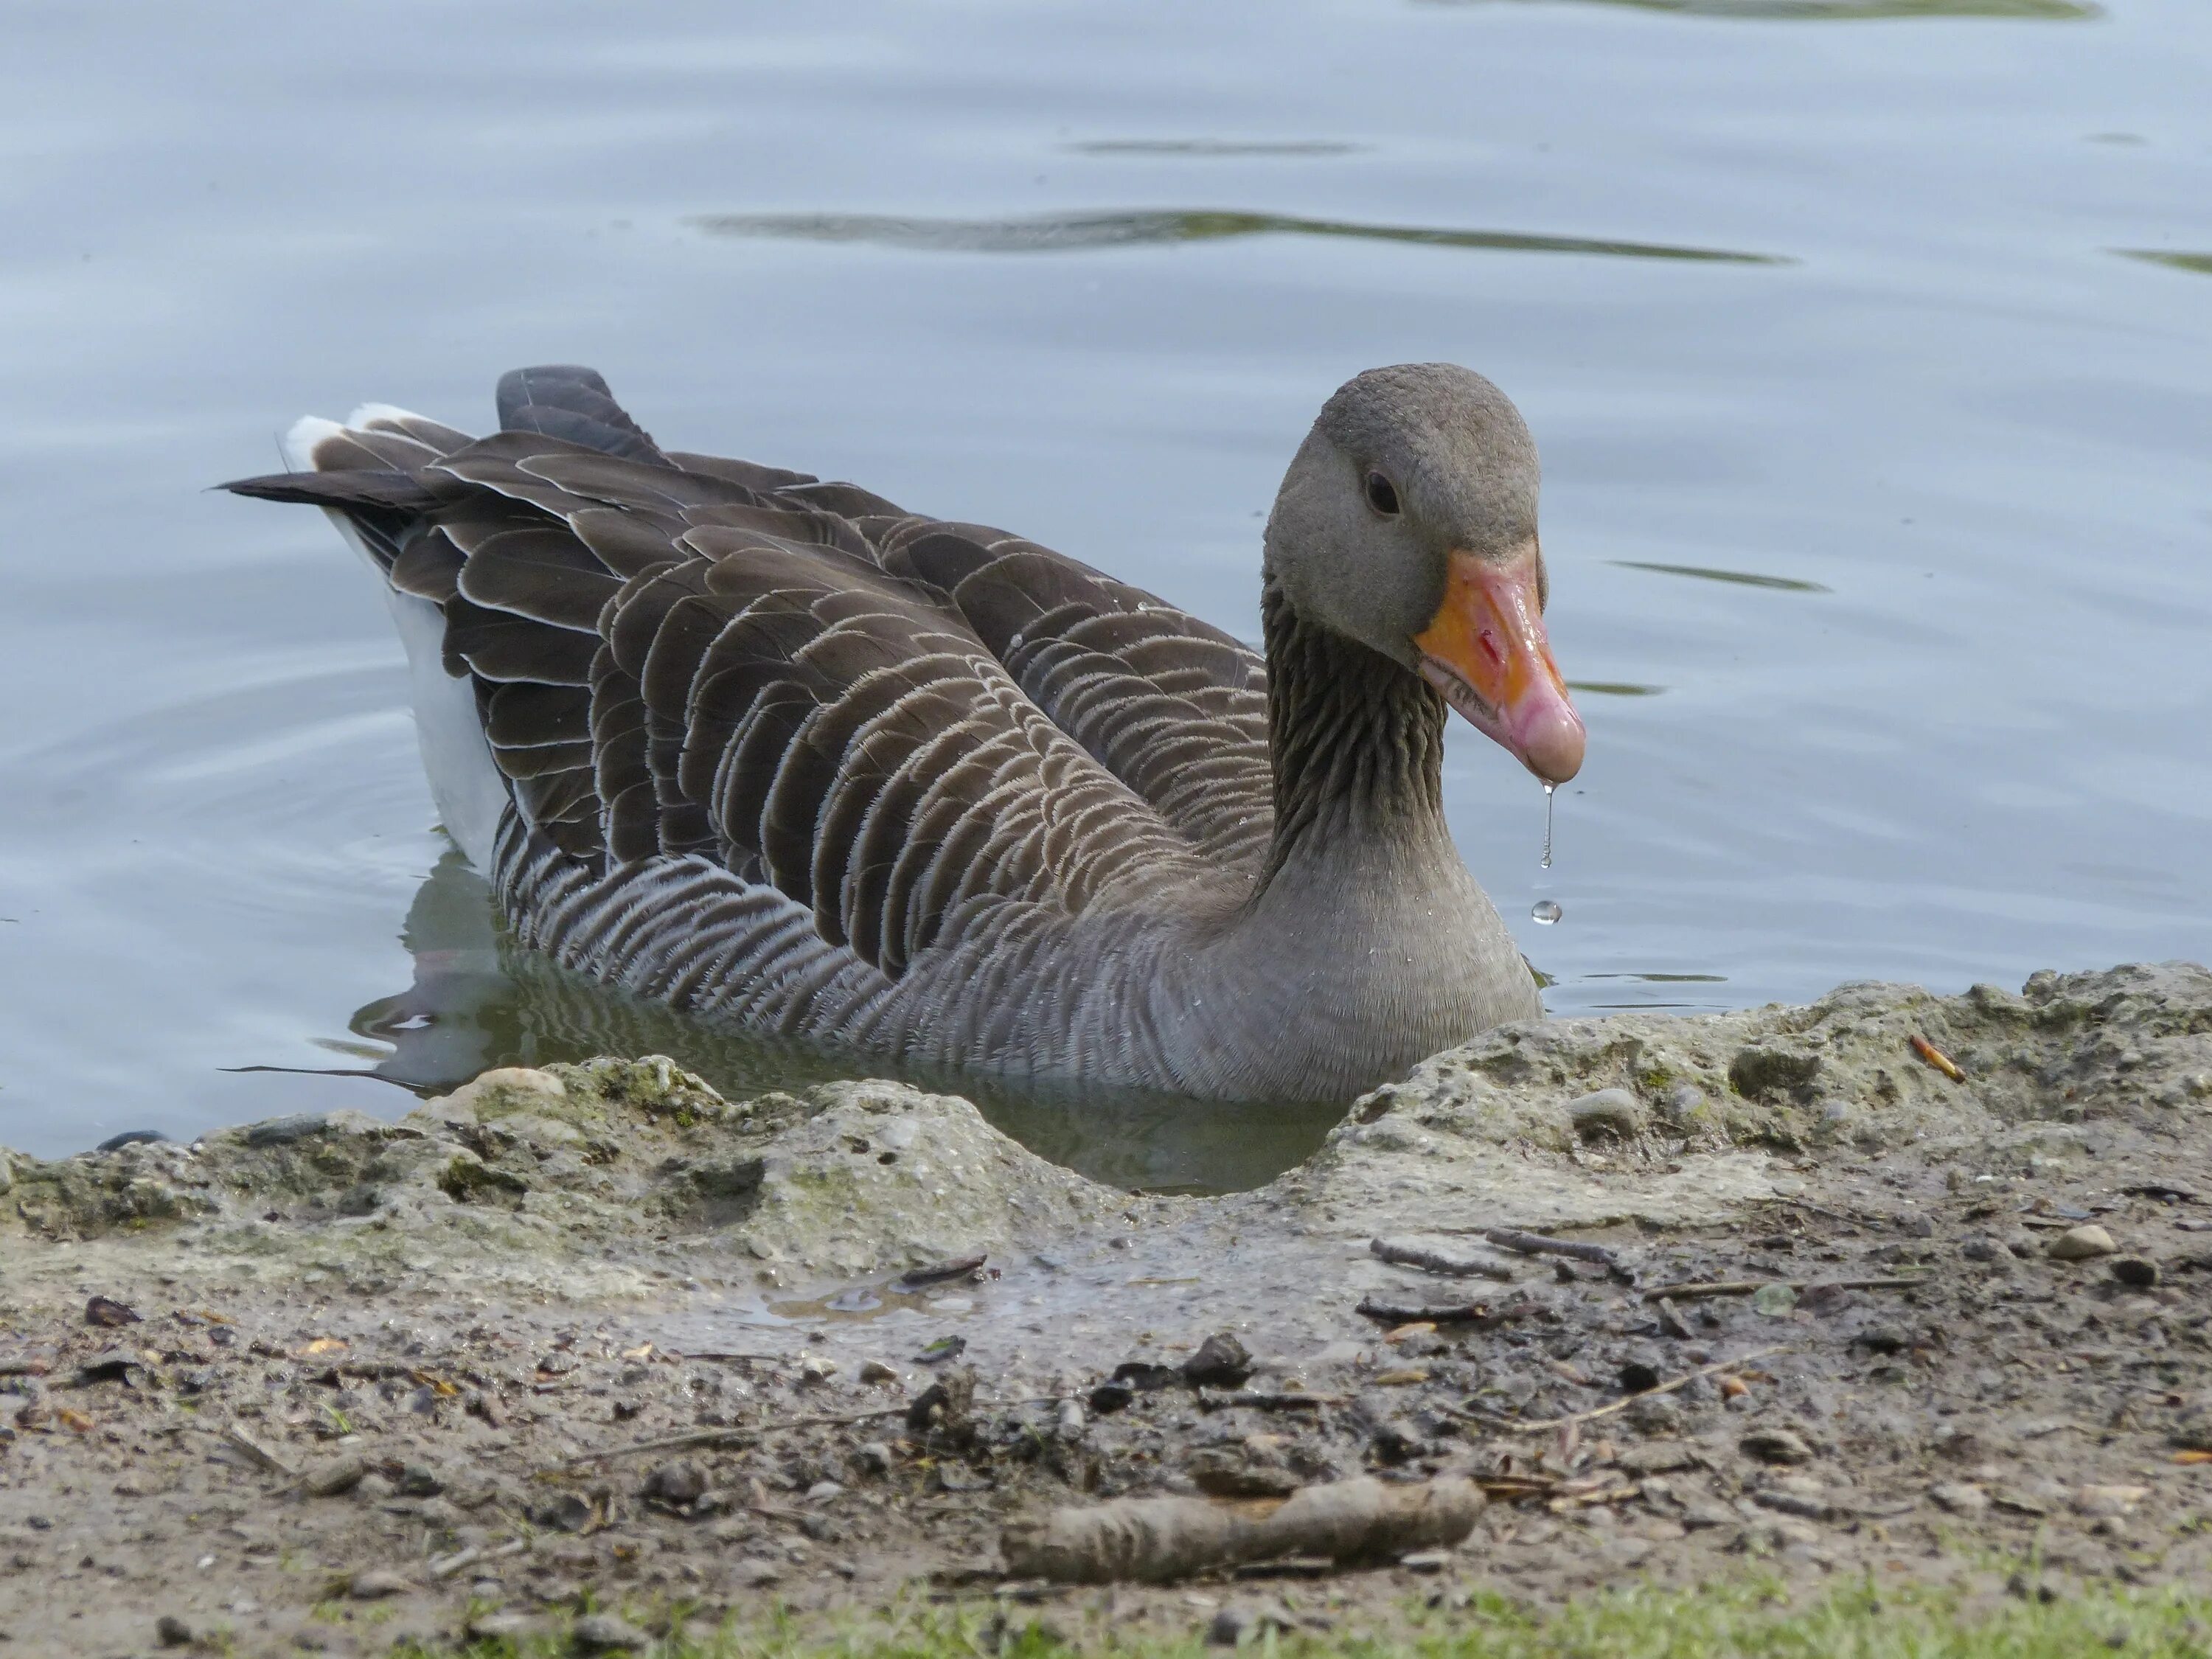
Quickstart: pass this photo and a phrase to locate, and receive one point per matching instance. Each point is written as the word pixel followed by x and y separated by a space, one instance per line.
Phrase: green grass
pixel 1750 1620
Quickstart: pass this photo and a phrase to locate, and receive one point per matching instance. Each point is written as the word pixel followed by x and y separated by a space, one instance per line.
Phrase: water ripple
pixel 1073 232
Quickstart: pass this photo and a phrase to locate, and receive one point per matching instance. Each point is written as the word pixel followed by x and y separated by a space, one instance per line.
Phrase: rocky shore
pixel 1893 1283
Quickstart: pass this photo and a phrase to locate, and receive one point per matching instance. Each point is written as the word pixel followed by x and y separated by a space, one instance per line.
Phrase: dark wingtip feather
pixel 347 488
pixel 567 400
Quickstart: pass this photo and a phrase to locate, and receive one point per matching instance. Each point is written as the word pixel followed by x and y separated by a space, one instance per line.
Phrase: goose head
pixel 1408 523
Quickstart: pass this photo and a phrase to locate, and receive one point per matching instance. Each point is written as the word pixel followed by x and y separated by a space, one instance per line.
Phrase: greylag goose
pixel 781 753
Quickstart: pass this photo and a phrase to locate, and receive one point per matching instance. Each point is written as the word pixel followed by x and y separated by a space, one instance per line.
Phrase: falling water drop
pixel 1546 911
pixel 1550 792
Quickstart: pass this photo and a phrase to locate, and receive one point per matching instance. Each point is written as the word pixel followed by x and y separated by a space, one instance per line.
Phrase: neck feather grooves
pixel 1357 742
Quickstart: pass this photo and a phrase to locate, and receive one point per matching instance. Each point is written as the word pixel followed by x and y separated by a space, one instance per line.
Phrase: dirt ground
pixel 1929 1327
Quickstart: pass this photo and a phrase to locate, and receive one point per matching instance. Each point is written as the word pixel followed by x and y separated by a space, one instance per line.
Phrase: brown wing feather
pixel 885 717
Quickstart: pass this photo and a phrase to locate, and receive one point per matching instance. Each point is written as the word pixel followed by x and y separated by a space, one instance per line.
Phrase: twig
pixel 1435 1261
pixel 937 1272
pixel 1548 1424
pixel 1480 1315
pixel 447 1566
pixel 1512 1238
pixel 1263 1400
pixel 1699 1291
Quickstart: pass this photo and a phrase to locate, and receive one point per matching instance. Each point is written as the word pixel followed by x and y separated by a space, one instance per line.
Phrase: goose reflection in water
pixel 479 1000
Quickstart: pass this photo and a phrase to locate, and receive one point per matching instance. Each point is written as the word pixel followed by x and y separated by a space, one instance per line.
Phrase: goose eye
pixel 1382 495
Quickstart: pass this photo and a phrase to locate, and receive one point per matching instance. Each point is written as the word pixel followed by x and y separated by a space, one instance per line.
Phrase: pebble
pixel 1221 1362
pixel 1776 1446
pixel 172 1631
pixel 602 1633
pixel 419 1481
pixel 335 1479
pixel 873 1458
pixel 1960 1498
pixel 497 1626
pixel 678 1485
pixel 822 1490
pixel 2080 1243
pixel 1605 1115
pixel 874 1371
pixel 1425 1560
pixel 2139 1272
pixel 376 1583
pixel 1658 1457
pixel 2108 1502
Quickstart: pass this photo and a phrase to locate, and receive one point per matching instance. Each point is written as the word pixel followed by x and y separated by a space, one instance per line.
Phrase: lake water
pixel 1869 346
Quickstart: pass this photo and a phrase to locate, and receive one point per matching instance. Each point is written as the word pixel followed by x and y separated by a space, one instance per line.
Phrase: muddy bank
pixel 1925 1320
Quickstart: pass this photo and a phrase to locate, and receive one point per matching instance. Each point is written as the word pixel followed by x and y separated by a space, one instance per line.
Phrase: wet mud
pixel 1892 1283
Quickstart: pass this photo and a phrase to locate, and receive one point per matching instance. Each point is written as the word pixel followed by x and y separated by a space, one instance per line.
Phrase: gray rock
pixel 1605 1115
pixel 602 1633
pixel 1960 1498
pixel 1772 1445
pixel 172 1631
pixel 378 1583
pixel 2137 1272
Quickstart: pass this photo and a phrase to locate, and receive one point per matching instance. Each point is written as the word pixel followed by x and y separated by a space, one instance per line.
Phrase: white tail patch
pixel 465 780
pixel 300 442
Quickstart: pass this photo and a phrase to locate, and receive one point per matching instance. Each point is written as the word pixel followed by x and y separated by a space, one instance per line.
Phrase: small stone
pixel 1776 1446
pixel 2081 1243
pixel 374 1488
pixel 679 1485
pixel 1605 1115
pixel 874 1372
pixel 1982 1248
pixel 2108 1503
pixel 814 1370
pixel 497 1627
pixel 335 1479
pixel 172 1631
pixel 602 1633
pixel 1680 1104
pixel 873 1457
pixel 1658 1457
pixel 376 1584
pixel 2137 1272
pixel 419 1481
pixel 1221 1362
pixel 751 1572
pixel 1425 1560
pixel 570 1512
pixel 822 1490
pixel 1960 1498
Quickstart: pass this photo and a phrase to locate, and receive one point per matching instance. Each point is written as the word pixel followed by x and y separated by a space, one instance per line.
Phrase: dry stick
pixel 1435 1261
pixel 705 1439
pixel 447 1566
pixel 1753 1286
pixel 1511 1238
pixel 1668 1387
